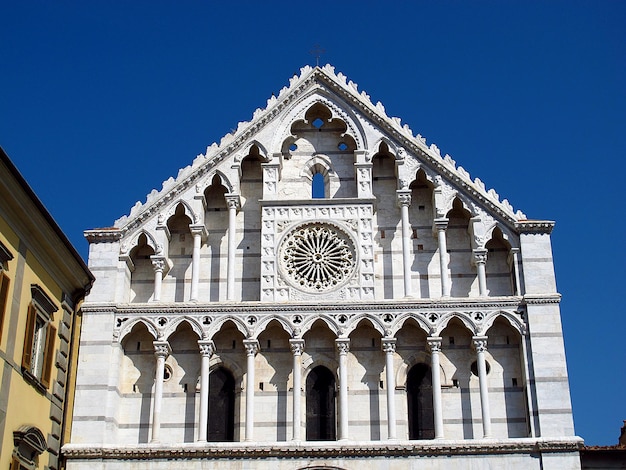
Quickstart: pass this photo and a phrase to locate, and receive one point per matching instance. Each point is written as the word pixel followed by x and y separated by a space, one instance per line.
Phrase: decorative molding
pixel 291 450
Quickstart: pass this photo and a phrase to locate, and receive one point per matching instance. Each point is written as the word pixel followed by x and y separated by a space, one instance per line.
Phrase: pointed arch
pixel 188 211
pixel 223 179
pixel 445 319
pixel 418 319
pixel 298 110
pixel 330 323
pixel 261 150
pixel 129 326
pixel 264 322
pixel 220 323
pixel 133 240
pixel 173 325
pixel 514 320
pixel 373 320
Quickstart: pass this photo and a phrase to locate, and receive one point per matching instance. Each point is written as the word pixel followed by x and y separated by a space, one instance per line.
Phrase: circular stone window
pixel 317 257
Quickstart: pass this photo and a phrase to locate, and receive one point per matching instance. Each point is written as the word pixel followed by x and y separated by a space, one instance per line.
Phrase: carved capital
pixel 403 197
pixel 198 229
pixel 207 347
pixel 343 345
pixel 161 348
pixel 159 264
pixel 252 346
pixel 479 343
pixel 233 201
pixel 388 345
pixel 434 343
pixel 297 346
pixel 480 256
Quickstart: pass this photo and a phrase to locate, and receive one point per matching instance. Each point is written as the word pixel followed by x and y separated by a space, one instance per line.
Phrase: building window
pixel 5 257
pixel 320 405
pixel 39 338
pixel 318 187
pixel 221 426
pixel 29 445
pixel 420 403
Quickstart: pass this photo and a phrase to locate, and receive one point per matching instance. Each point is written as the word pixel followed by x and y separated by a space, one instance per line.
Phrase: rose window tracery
pixel 317 257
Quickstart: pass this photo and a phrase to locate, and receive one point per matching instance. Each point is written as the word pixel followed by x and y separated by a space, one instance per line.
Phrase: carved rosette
pixel 317 258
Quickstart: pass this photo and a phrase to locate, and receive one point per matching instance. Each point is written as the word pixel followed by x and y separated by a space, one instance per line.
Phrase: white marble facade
pixel 322 288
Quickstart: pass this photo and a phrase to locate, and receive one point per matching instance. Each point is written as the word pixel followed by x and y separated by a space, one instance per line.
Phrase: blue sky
pixel 102 101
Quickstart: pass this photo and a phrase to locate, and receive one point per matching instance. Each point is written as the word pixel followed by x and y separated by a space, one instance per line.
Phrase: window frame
pixel 38 351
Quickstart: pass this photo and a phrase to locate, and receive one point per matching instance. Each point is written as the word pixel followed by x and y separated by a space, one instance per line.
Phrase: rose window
pixel 317 257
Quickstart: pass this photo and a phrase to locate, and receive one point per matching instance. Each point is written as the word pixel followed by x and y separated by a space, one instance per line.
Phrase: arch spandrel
pixel 445 320
pixel 299 109
pixel 219 322
pixel 514 320
pixel 357 320
pixel 127 245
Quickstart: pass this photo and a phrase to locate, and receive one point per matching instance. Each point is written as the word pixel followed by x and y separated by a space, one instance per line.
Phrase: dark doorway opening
pixel 320 405
pixel 419 390
pixel 221 425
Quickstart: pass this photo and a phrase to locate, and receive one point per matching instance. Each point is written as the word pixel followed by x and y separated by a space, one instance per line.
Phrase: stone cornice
pixel 539 299
pixel 493 303
pixel 290 450
pixel 535 226
pixel 103 235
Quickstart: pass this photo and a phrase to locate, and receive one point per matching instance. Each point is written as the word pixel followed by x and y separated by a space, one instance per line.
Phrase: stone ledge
pixel 318 449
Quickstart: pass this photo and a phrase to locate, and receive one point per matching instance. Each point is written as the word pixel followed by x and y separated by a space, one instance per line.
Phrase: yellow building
pixel 43 281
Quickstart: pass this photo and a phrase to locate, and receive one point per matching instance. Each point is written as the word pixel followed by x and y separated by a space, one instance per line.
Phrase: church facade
pixel 322 289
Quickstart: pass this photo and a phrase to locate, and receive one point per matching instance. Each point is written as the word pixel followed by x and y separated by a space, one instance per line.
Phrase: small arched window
pixel 318 186
pixel 419 391
pixel 320 405
pixel 221 425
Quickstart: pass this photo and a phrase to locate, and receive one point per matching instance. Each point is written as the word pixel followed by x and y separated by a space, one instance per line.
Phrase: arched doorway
pixel 419 391
pixel 221 425
pixel 320 405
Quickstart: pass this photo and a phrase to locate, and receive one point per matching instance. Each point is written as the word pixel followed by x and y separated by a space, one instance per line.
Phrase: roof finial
pixel 317 51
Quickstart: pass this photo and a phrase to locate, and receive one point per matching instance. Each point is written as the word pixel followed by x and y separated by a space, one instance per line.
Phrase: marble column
pixel 252 347
pixel 441 225
pixel 233 204
pixel 158 263
pixel 434 343
pixel 161 351
pixel 404 201
pixel 343 346
pixel 297 347
pixel 197 231
pixel 480 344
pixel 514 260
pixel 480 260
pixel 207 348
pixel 389 348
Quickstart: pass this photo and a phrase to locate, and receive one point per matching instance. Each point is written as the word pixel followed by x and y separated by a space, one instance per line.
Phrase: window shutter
pixel 4 294
pixel 27 353
pixel 49 354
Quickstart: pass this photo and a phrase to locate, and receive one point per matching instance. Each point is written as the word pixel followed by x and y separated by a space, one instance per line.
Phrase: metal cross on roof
pixel 317 51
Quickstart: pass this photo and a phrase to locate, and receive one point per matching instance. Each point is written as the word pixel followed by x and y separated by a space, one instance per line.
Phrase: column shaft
pixel 161 351
pixel 195 265
pixel 441 225
pixel 434 342
pixel 297 346
pixel 207 349
pixel 480 343
pixel 159 266
pixel 343 346
pixel 389 347
pixel 252 347
pixel 232 202
pixel 404 200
